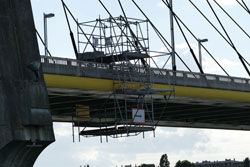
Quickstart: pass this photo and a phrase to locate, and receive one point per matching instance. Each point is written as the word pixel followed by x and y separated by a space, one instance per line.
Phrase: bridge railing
pixel 156 71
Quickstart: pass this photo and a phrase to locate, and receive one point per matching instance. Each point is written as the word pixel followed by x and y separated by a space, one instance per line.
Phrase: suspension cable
pixel 232 19
pixel 210 23
pixel 218 32
pixel 142 60
pixel 184 36
pixel 116 22
pixel 197 39
pixel 132 33
pixel 65 7
pixel 244 6
pixel 222 26
pixel 43 43
pixel 157 31
pixel 232 44
pixel 71 33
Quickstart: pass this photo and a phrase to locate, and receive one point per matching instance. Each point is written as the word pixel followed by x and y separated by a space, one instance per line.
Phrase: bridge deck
pixel 210 101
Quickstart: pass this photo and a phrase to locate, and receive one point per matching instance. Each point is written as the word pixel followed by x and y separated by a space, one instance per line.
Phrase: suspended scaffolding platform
pixel 114 131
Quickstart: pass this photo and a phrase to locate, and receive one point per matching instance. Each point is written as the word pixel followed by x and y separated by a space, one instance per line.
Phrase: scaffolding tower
pixel 123 44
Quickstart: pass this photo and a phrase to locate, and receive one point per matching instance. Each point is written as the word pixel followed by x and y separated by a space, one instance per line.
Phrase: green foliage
pixel 184 163
pixel 246 162
pixel 164 161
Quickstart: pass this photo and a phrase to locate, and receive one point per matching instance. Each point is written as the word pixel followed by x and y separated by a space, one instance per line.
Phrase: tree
pixel 184 163
pixel 164 161
pixel 178 164
pixel 246 162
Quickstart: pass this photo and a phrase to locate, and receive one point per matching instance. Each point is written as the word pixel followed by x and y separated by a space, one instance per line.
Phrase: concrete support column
pixel 25 120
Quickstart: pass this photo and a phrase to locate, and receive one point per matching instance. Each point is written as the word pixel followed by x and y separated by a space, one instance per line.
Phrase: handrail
pixel 180 74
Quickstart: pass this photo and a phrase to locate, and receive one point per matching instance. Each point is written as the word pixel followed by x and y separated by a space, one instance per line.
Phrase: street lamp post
pixel 199 46
pixel 45 17
pixel 172 35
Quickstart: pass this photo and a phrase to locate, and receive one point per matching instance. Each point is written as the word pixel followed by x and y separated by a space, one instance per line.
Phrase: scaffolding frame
pixel 114 36
pixel 122 44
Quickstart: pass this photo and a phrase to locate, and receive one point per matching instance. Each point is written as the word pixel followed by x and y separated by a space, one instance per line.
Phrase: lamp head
pixel 49 15
pixel 202 40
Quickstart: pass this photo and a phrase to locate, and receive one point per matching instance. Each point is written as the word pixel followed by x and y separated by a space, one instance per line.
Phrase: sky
pixel 178 143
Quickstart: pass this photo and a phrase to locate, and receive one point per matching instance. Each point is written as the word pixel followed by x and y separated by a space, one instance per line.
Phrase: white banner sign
pixel 138 115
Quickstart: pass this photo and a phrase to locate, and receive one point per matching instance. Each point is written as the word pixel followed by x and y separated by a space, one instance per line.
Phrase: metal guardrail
pixel 179 74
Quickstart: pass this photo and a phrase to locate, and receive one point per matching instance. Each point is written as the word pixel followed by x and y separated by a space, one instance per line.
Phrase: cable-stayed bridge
pixel 114 86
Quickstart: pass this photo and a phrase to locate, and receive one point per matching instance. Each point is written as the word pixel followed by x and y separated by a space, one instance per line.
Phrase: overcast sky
pixel 178 143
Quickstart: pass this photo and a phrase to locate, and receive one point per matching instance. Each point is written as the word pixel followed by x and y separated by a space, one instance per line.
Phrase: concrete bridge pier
pixel 25 120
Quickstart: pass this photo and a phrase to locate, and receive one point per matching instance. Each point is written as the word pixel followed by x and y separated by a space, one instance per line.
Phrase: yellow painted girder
pixel 85 83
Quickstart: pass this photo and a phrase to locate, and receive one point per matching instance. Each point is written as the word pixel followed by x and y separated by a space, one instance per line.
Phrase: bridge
pixel 102 89
pixel 200 100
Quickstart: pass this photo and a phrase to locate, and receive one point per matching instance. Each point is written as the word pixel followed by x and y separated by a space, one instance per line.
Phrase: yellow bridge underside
pixel 84 83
